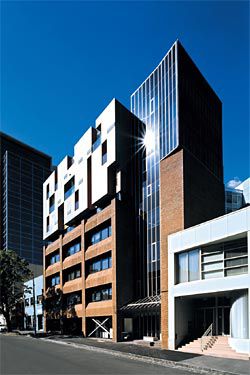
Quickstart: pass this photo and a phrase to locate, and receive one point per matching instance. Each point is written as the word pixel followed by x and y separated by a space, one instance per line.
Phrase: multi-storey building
pixel 23 171
pixel 209 280
pixel 238 197
pixel 90 215
pixel 33 304
pixel 176 183
pixel 183 179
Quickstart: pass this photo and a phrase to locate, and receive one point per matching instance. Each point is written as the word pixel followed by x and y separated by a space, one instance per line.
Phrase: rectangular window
pixel 212 275
pixel 236 271
pixel 152 105
pixel 105 294
pixel 73 274
pixel 118 181
pixel 47 191
pixel 149 190
pixel 236 262
pixel 193 265
pixel 100 264
pixel 104 152
pixel 104 233
pixel 77 200
pixel 52 203
pixel 74 299
pixel 101 295
pixel 69 188
pixel 100 235
pixel 182 266
pixel 27 302
pixel 73 249
pixel 55 280
pixel 213 257
pixel 54 258
pixel 56 179
pixel 96 140
pixel 105 263
pixel 154 253
pixel 47 223
pixel 188 266
pixel 32 301
pixel 96 296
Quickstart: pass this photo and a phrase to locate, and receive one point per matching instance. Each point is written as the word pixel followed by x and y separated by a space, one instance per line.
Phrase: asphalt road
pixel 24 355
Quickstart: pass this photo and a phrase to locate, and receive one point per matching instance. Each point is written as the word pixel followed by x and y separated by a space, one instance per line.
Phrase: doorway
pixel 219 316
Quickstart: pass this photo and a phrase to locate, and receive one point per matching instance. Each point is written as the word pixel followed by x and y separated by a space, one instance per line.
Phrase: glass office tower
pixel 183 117
pixel 23 171
pixel 155 103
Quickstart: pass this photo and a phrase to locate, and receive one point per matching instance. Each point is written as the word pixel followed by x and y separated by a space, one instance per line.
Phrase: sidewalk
pixel 192 362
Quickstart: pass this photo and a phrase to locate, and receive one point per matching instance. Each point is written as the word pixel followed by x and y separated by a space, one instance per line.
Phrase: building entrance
pixel 218 314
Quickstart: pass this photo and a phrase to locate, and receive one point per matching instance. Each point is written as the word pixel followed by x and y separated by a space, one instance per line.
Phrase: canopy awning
pixel 147 303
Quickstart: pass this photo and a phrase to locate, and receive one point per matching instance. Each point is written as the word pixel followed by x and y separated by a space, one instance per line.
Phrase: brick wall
pixel 189 195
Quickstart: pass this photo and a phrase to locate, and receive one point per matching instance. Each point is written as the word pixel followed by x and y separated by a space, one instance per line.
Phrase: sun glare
pixel 148 141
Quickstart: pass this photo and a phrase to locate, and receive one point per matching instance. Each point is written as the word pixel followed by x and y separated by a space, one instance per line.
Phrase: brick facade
pixel 118 275
pixel 189 195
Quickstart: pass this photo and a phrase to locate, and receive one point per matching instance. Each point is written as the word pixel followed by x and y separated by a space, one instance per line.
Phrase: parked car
pixel 3 328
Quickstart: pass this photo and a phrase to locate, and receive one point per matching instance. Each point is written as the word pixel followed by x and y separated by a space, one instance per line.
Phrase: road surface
pixel 25 355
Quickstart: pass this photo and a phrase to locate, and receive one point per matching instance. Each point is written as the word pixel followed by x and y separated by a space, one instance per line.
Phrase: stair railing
pixel 208 332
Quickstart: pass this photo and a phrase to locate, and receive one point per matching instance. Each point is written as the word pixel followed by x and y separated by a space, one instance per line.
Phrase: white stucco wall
pixel 229 226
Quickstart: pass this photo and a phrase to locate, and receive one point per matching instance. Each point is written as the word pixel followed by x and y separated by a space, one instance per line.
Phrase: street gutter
pixel 151 360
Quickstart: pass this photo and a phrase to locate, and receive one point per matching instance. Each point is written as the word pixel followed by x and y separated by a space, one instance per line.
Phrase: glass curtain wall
pixel 22 208
pixel 155 103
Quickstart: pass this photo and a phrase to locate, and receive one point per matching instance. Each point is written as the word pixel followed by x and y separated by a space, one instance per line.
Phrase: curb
pixel 151 360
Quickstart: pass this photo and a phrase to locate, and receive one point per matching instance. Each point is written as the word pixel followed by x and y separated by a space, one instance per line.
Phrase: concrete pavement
pixel 190 361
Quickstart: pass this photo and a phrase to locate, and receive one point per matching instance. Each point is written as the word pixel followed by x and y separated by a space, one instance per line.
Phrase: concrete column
pixel 239 315
pixel 114 272
pixel 84 329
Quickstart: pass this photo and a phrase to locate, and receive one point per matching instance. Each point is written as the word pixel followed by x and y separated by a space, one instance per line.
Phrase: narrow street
pixel 24 355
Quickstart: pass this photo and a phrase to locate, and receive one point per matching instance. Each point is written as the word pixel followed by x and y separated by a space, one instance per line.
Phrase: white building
pixel 29 304
pixel 82 180
pixel 210 282
pixel 238 197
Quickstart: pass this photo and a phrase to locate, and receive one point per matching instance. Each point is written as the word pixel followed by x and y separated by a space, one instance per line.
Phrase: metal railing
pixel 206 334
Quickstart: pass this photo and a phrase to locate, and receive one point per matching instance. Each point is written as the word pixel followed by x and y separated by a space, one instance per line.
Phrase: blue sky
pixel 62 62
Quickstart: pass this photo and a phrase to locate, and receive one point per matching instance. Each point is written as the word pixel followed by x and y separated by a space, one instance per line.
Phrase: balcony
pixel 74 310
pixel 99 278
pixel 102 308
pixel 52 247
pixel 99 248
pixel 73 260
pixel 79 310
pixel 53 268
pixel 73 285
pixel 73 234
pixel 98 218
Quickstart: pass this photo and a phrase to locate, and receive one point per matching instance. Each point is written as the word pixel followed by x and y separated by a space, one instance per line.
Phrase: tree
pixel 53 305
pixel 14 271
pixel 57 308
